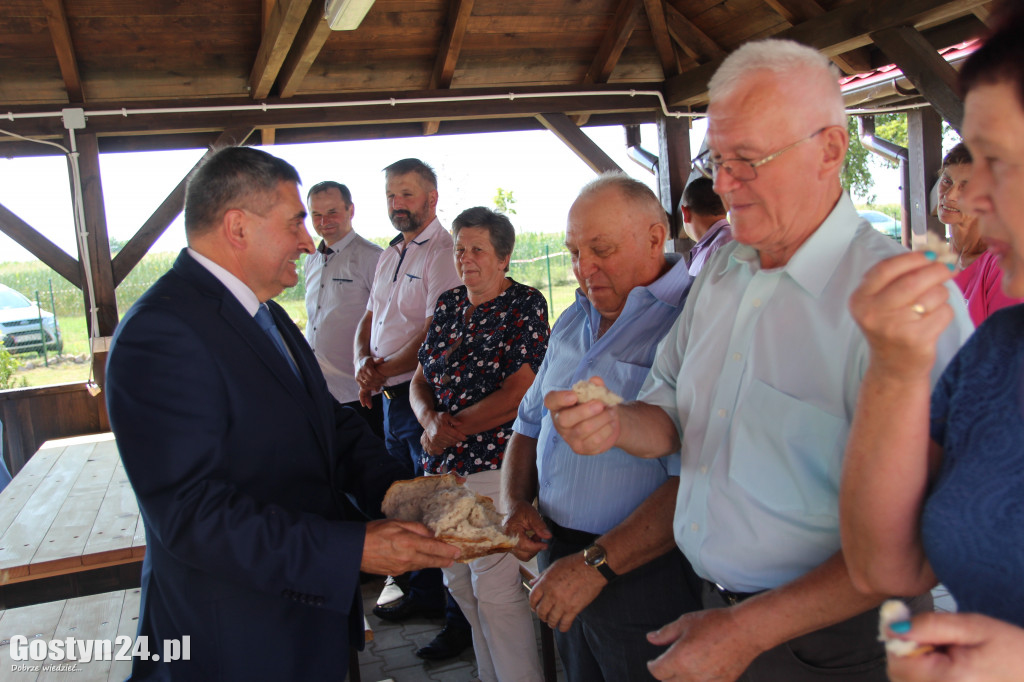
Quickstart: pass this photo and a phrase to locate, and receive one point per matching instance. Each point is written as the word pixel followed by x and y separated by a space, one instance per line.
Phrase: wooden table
pixel 69 511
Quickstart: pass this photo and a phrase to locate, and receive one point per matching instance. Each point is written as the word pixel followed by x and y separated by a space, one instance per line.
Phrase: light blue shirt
pixel 595 494
pixel 760 374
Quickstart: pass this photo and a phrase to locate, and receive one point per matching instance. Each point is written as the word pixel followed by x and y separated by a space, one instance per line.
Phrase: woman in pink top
pixel 979 277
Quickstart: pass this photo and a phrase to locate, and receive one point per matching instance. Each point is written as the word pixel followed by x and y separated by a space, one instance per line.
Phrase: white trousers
pixel 491 595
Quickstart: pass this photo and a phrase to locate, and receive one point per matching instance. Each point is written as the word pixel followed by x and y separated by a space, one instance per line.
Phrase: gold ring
pixel 919 309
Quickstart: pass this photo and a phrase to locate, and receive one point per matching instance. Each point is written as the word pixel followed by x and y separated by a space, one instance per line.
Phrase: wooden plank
pixel 21 540
pixel 578 141
pixel 925 68
pixel 310 40
pixel 25 483
pixel 690 38
pixel 95 617
pixel 614 42
pixel 34 622
pixel 674 156
pixel 57 20
pixel 170 208
pixel 924 142
pixel 655 10
pixel 127 626
pixel 284 24
pixel 39 246
pixel 113 534
pixel 798 11
pixel 60 550
pixel 459 13
pixel 840 30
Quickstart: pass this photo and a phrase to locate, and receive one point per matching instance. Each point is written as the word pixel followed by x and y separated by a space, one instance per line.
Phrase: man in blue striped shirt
pixel 603 529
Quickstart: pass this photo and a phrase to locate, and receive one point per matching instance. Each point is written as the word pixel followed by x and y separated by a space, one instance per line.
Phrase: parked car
pixel 19 324
pixel 883 223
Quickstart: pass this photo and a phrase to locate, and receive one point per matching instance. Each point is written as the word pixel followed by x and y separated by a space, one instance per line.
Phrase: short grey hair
pixel 633 190
pixel 781 58
pixel 499 228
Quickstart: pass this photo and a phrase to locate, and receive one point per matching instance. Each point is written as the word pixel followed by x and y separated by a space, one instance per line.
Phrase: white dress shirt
pixel 338 283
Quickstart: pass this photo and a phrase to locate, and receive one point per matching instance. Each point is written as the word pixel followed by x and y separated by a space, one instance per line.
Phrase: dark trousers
pixel 849 650
pixel 374 416
pixel 608 639
pixel 402 438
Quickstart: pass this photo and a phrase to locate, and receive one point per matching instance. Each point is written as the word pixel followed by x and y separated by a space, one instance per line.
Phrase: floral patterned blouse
pixel 467 359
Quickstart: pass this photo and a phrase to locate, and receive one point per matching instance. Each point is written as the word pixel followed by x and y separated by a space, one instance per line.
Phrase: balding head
pixel 616 235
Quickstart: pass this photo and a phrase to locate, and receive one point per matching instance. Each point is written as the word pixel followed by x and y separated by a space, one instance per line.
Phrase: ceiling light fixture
pixel 346 15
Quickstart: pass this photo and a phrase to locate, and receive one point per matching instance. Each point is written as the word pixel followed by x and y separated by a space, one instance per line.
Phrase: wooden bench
pixel 105 617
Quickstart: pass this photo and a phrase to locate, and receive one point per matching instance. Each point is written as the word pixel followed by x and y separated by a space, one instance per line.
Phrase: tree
pixel 504 202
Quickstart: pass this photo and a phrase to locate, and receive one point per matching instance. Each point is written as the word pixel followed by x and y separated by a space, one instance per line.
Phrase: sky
pixel 542 173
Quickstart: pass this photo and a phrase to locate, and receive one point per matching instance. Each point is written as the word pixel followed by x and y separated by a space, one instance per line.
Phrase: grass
pixel 530 266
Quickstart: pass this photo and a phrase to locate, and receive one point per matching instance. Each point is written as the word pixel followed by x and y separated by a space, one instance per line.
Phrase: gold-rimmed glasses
pixel 742 169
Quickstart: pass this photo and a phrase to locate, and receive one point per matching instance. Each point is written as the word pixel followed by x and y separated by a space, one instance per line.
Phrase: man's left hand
pixel 588 428
pixel 706 646
pixel 565 589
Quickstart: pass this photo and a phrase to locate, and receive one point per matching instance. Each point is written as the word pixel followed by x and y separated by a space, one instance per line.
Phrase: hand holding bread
pixel 585 416
pixel 395 547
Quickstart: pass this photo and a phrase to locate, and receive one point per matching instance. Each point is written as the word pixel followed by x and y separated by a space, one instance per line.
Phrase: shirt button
pixel 722 412
pixel 694 527
pixel 757 303
pixel 737 357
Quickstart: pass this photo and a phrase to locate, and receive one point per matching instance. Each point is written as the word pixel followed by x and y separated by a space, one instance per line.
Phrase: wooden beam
pixel 578 141
pixel 97 243
pixel 39 246
pixel 933 77
pixel 844 28
pixel 799 11
pixel 310 40
pixel 459 12
pixel 688 36
pixel 268 136
pixel 673 167
pixel 60 33
pixel 655 10
pixel 285 19
pixel 924 142
pixel 984 12
pixel 614 42
pixel 131 254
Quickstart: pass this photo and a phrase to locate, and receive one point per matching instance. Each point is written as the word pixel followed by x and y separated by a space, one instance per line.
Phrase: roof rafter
pixel 840 30
pixel 798 11
pixel 282 26
pixel 312 35
pixel 614 42
pixel 579 142
pixel 459 12
pixel 688 36
pixel 662 39
pixel 60 32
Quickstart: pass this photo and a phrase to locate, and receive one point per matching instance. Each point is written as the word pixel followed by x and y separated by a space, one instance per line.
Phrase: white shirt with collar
pixel 240 290
pixel 406 285
pixel 338 283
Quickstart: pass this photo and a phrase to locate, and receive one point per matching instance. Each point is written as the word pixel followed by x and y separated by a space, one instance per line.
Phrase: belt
pixel 392 392
pixel 730 598
pixel 568 535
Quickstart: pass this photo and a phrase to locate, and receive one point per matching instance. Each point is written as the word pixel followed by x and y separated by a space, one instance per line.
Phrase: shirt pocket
pixel 785 453
pixel 627 378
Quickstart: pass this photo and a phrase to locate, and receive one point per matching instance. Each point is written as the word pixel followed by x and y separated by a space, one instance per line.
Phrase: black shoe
pixel 406 608
pixel 449 643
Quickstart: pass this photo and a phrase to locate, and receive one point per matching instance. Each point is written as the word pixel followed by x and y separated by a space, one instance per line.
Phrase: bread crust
pixel 442 504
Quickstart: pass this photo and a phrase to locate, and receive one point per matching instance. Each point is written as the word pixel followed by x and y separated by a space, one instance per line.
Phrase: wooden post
pixel 924 140
pixel 673 170
pixel 96 256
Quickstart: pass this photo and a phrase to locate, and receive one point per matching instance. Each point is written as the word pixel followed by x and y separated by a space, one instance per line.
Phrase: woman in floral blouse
pixel 486 342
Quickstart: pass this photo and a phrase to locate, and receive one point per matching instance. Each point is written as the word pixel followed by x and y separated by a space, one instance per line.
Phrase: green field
pixel 540 250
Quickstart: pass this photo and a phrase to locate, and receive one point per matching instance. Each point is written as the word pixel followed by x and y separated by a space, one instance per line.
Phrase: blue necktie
pixel 266 322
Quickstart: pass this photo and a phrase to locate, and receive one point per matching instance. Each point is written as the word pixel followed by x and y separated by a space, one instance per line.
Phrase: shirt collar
pixel 661 289
pixel 818 257
pixel 237 287
pixel 338 246
pixel 712 232
pixel 430 231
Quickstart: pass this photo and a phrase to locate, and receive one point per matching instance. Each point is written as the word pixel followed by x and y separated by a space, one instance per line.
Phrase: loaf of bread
pixel 586 391
pixel 455 513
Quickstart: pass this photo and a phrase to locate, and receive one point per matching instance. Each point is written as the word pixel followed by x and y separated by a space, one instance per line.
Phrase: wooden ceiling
pixel 114 58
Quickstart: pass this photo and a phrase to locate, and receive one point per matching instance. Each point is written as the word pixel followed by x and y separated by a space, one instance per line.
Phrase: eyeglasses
pixel 741 169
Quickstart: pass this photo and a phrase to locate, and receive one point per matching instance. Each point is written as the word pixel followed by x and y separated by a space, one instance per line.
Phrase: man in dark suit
pixel 238 454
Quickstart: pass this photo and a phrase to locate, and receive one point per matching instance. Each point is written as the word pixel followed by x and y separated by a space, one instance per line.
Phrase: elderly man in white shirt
pixel 339 276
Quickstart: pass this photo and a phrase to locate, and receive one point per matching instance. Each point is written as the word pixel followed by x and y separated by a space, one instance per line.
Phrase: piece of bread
pixel 455 513
pixel 586 391
pixel 892 611
pixel 940 247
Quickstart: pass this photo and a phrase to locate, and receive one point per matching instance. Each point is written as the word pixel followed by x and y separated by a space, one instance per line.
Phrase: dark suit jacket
pixel 240 472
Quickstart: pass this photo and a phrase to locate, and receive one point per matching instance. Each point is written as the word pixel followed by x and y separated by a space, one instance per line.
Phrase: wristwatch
pixel 595 557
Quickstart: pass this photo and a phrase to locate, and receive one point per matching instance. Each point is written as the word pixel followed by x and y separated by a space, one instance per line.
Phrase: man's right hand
pixel 588 428
pixel 368 375
pixel 396 547
pixel 524 520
